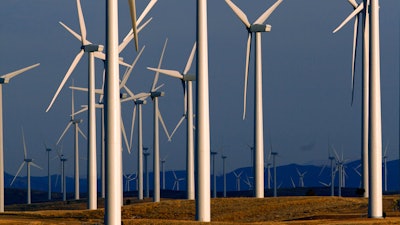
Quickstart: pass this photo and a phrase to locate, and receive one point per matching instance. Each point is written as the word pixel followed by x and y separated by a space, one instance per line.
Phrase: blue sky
pixel 306 77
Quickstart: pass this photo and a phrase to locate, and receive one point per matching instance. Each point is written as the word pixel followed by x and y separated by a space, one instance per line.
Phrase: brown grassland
pixel 281 210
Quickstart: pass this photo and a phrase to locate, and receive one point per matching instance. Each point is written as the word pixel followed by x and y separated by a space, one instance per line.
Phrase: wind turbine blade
pixel 246 74
pixel 158 87
pixel 190 60
pixel 35 165
pixel 163 124
pixel 353 64
pixel 24 144
pixel 239 13
pixel 177 126
pixel 171 73
pixel 84 109
pixel 8 76
pixel 132 9
pixel 124 135
pixel 81 22
pixel 267 13
pixel 386 148
pixel 81 132
pixel 65 130
pixel 76 35
pixel 336 154
pixel 71 68
pixel 146 10
pixel 353 14
pixel 159 65
pixel 133 124
pixel 129 71
pixel 353 3
pixel 16 175
pixel 128 38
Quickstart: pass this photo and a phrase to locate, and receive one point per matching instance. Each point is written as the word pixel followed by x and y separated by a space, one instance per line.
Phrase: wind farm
pixel 304 98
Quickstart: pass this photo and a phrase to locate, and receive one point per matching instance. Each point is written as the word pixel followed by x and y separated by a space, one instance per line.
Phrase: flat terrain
pixel 281 210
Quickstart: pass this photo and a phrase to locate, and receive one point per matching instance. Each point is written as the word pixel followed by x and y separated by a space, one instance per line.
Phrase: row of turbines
pixel 372 177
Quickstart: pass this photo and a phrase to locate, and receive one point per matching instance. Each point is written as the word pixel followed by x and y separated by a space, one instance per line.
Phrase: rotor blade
pixel 19 170
pixel 76 35
pixel 353 14
pixel 8 76
pixel 129 71
pixel 133 124
pixel 24 144
pixel 71 68
pixel 159 65
pixel 171 73
pixel 163 124
pixel 267 13
pixel 35 165
pixel 146 10
pixel 81 22
pixel 353 64
pixel 81 132
pixel 84 109
pixel 130 36
pixel 177 126
pixel 72 101
pixel 124 135
pixel 239 13
pixel 353 3
pixel 190 60
pixel 132 9
pixel 65 130
pixel 246 74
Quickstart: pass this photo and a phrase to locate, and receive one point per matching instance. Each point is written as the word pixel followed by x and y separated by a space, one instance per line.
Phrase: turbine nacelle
pixel 140 102
pixel 28 160
pixel 189 77
pixel 93 48
pixel 259 28
pixel 123 95
pixel 155 94
pixel 4 80
pixel 75 121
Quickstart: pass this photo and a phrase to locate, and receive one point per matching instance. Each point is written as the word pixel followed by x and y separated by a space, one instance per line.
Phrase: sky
pixel 306 79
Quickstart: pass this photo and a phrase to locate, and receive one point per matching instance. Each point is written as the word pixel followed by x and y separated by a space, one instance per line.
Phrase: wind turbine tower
pixel 257 27
pixel 274 154
pixel 48 150
pixel 224 172
pixel 5 79
pixel 146 171
pixel 331 158
pixel 214 176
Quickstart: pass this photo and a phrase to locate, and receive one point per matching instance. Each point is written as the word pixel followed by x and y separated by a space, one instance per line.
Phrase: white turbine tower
pixel 186 80
pixel 163 171
pixel 176 181
pixel 257 27
pixel 5 79
pixel 237 179
pixel 213 154
pixel 154 94
pixel 29 162
pixel 224 173
pixel 146 171
pixel 361 10
pixel 48 150
pixel 301 177
pixel 77 130
pixel 385 166
pixel 63 185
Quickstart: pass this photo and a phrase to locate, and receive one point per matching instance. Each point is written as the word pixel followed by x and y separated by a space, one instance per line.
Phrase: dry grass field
pixel 281 210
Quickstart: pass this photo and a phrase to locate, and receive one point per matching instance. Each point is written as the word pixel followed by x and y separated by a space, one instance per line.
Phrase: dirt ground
pixel 281 210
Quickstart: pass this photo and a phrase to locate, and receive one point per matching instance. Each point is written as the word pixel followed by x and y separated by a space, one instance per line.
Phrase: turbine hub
pixel 259 28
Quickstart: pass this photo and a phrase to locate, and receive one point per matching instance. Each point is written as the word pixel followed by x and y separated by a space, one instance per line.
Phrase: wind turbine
pixel 224 173
pixel 28 162
pixel 77 130
pixel 128 179
pixel 361 10
pixel 301 177
pixel 273 154
pixel 146 171
pixel 5 79
pixel 214 175
pixel 186 80
pixel 257 27
pixel 48 150
pixel 385 166
pixel 340 164
pixel 157 117
pixel 163 171
pixel 237 180
pixel 63 159
pixel 176 181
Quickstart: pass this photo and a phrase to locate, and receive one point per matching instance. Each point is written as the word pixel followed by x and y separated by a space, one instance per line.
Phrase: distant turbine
pixel 340 165
pixel 146 171
pixel 214 175
pixel 176 181
pixel 77 130
pixel 224 172
pixel 128 179
pixel 301 177
pixel 274 154
pixel 257 27
pixel 5 79
pixel 237 180
pixel 186 80
pixel 48 150
pixel 385 167
pixel 163 171
pixel 28 162
pixel 359 9
pixel 62 158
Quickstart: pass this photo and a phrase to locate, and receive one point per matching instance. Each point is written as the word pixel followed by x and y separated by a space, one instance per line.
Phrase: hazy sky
pixel 306 78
